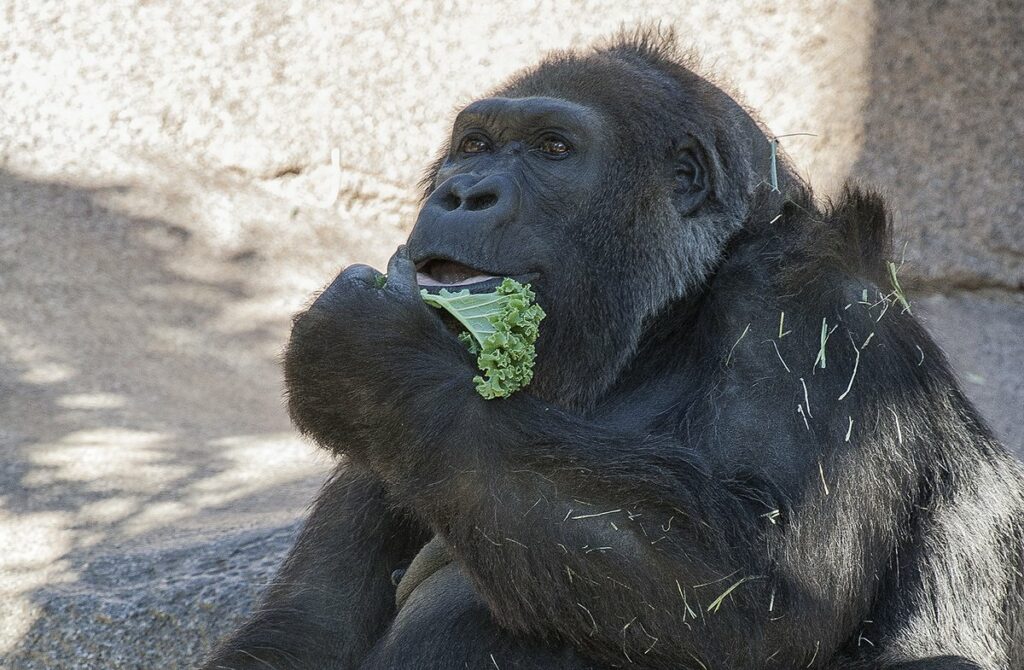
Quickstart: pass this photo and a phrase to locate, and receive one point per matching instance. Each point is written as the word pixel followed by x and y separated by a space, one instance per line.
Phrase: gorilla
pixel 739 450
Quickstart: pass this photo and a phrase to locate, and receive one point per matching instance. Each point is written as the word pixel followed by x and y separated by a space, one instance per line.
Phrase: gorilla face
pixel 608 214
pixel 516 169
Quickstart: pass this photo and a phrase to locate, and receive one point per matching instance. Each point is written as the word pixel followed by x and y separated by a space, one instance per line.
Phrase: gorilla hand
pixel 363 356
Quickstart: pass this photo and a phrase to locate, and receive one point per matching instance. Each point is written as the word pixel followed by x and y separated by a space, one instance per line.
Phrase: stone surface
pixel 981 334
pixel 944 137
pixel 139 609
pixel 168 197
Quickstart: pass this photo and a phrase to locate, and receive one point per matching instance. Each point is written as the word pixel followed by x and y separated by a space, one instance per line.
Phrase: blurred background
pixel 177 178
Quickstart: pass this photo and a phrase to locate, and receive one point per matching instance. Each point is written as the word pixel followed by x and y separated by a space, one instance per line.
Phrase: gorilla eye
pixel 554 147
pixel 473 144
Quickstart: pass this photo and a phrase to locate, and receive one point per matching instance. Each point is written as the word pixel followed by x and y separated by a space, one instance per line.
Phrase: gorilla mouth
pixel 434 274
pixel 439 273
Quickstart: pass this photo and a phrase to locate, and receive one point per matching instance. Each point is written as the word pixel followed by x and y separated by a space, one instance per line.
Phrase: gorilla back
pixel 740 449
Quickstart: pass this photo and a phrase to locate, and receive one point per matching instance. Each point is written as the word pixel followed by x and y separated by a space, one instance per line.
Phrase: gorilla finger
pixel 402 272
pixel 363 274
pixel 351 277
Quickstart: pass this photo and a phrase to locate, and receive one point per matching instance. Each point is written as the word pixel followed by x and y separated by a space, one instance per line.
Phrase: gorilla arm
pixel 622 544
pixel 568 530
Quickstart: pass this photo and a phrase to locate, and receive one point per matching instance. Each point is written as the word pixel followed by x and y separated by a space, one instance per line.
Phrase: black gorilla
pixel 740 450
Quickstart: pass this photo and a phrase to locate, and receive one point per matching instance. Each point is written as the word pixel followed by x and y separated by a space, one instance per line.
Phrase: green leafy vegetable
pixel 501 329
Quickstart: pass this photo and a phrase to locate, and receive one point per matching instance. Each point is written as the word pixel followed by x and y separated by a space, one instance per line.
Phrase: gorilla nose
pixel 469 199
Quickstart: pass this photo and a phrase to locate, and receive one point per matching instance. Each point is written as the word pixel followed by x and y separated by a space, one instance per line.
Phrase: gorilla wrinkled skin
pixel 740 450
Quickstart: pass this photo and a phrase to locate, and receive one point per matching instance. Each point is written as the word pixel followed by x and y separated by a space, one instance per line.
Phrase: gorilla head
pixel 611 201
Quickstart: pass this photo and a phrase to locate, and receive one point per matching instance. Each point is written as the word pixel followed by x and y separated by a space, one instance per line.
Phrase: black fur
pixel 693 480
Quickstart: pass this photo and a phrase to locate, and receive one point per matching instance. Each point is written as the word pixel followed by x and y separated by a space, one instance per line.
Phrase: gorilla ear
pixel 692 177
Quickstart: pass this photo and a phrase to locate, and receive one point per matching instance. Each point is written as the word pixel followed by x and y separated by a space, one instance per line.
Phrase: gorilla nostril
pixel 450 202
pixel 482 201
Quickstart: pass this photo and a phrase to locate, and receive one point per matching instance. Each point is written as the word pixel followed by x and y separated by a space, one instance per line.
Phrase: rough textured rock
pixel 980 333
pixel 168 197
pixel 139 609
pixel 944 137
